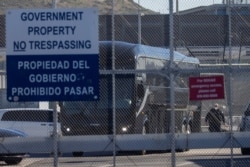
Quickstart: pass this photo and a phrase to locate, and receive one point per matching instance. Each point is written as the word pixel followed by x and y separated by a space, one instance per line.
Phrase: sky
pixel 162 6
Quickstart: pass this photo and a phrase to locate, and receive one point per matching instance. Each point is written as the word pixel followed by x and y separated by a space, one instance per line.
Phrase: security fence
pixel 161 70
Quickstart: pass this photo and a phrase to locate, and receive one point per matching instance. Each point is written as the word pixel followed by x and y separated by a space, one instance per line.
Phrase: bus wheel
pixel 77 154
pixel 245 151
pixel 144 131
pixel 13 161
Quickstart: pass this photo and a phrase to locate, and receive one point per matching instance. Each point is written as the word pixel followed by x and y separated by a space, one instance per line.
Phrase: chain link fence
pixel 146 59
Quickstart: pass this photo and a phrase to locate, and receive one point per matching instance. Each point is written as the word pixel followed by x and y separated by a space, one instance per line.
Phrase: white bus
pixel 137 95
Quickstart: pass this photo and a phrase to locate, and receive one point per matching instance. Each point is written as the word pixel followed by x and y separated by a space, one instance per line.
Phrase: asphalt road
pixel 191 158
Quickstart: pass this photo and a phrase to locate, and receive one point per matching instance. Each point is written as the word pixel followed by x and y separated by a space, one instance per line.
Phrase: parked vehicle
pixel 245 126
pixel 33 122
pixel 12 158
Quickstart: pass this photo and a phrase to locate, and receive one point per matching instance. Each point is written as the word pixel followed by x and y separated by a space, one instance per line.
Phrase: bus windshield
pixel 123 97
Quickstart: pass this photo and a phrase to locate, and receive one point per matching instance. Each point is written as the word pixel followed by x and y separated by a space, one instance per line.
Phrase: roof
pixel 217 9
pixel 141 50
pixel 164 53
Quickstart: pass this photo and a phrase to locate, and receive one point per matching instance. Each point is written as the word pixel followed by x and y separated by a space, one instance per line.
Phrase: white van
pixel 34 122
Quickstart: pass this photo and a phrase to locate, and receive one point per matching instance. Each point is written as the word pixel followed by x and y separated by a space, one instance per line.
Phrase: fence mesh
pixel 142 87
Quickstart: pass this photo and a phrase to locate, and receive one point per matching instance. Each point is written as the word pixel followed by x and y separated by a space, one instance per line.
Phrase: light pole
pixel 139 23
pixel 177 7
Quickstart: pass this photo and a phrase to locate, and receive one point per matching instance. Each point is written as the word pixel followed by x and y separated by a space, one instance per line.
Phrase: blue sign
pixel 54 55
pixel 61 77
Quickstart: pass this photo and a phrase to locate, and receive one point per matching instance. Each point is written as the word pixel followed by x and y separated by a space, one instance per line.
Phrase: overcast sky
pixel 162 5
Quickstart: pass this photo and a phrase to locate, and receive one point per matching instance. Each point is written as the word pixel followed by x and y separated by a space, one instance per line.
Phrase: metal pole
pixel 55 118
pixel 55 138
pixel 229 81
pixel 171 47
pixel 54 4
pixel 139 23
pixel 177 7
pixel 113 86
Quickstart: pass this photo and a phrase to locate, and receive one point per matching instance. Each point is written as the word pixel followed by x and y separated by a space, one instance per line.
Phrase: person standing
pixel 214 118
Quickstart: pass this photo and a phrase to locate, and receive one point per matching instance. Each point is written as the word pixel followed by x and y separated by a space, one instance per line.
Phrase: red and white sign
pixel 206 88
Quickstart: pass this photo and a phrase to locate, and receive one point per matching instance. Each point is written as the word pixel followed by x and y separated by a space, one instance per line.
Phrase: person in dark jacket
pixel 214 118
